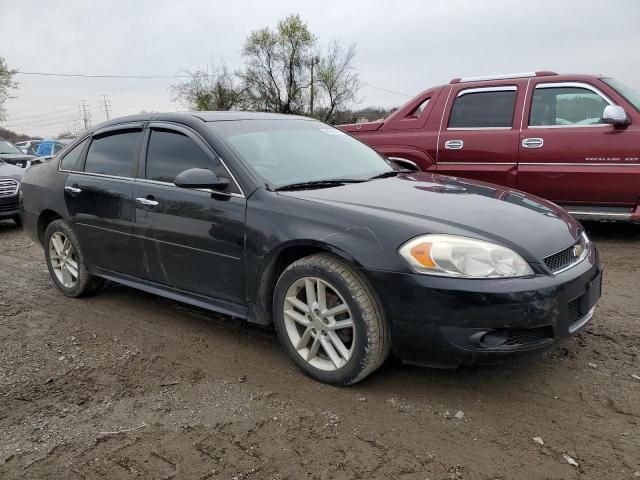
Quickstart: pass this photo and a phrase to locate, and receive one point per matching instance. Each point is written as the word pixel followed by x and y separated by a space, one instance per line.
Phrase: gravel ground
pixel 128 385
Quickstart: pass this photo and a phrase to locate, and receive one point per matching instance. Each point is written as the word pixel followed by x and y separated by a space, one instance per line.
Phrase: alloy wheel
pixel 319 323
pixel 63 259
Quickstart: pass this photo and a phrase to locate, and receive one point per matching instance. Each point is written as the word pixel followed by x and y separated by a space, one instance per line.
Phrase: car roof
pixel 209 116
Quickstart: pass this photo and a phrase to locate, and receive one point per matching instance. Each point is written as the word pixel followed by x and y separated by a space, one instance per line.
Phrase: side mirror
pixel 615 115
pixel 200 178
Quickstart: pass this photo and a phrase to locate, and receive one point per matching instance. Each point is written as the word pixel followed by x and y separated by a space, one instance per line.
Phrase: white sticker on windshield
pixel 332 131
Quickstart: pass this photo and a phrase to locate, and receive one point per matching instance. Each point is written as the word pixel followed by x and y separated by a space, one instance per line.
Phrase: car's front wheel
pixel 329 320
pixel 66 262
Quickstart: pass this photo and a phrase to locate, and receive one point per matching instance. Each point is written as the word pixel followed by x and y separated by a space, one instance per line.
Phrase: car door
pixel 568 155
pixel 190 240
pixel 99 198
pixel 479 133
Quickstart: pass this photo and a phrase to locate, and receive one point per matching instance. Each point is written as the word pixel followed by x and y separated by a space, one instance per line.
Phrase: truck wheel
pixel 329 320
pixel 66 262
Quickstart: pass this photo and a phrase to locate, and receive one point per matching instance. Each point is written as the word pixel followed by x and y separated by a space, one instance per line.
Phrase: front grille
pixel 8 187
pixel 565 258
pixel 9 206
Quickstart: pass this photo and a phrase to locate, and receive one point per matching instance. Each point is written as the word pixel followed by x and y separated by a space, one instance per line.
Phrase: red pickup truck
pixel 573 139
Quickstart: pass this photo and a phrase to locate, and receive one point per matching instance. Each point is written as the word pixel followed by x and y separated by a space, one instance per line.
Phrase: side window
pixel 483 109
pixel 170 153
pixel 70 160
pixel 419 109
pixel 113 153
pixel 565 106
pixel 57 147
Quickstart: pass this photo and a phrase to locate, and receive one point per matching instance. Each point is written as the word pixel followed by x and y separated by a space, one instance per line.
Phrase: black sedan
pixel 284 220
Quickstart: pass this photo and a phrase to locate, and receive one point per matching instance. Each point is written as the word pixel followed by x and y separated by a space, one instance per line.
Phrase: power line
pixel 37 116
pixel 386 90
pixel 146 77
pixel 88 75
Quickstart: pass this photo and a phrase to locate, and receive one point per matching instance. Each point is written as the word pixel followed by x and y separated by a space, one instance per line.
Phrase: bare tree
pixel 338 80
pixel 6 84
pixel 275 76
pixel 211 89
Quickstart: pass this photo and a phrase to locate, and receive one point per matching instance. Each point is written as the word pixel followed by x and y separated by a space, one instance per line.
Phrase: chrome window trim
pixel 586 86
pixel 526 92
pixel 506 88
pixel 205 190
pixel 461 93
pixel 101 175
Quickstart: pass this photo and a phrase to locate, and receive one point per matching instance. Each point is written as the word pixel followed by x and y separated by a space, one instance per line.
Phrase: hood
pixel 431 203
pixel 361 127
pixel 11 171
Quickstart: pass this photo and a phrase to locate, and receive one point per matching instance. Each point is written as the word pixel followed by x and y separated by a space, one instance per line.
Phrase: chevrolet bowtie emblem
pixel 577 250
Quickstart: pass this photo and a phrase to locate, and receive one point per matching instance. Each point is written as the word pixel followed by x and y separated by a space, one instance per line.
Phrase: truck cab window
pixel 475 108
pixel 565 106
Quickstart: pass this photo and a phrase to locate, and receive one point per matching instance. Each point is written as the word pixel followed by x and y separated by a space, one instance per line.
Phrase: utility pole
pixel 86 115
pixel 314 60
pixel 106 105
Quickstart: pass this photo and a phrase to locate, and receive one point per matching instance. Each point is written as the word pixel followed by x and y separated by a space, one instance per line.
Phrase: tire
pixel 84 283
pixel 17 220
pixel 365 343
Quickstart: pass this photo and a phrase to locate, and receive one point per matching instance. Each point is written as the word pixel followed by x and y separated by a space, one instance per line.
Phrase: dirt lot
pixel 125 385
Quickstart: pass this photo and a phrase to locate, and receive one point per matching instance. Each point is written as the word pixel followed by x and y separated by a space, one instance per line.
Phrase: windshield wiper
pixel 390 173
pixel 333 182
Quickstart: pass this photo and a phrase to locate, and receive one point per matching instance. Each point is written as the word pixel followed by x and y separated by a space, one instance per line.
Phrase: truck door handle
pixel 532 142
pixel 73 190
pixel 453 145
pixel 147 202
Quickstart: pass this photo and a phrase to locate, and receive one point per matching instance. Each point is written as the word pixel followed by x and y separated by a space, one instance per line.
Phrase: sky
pixel 403 46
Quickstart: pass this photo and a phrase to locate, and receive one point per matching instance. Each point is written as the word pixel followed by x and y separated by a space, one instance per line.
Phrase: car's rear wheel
pixel 329 320
pixel 66 262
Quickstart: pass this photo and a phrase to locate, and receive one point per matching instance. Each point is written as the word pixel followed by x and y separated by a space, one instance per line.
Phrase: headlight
pixel 453 256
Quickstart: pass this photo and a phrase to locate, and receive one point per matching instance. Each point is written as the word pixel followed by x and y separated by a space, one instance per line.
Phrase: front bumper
pixel 442 321
pixel 9 207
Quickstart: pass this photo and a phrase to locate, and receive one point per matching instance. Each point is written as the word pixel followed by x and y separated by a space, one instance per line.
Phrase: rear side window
pixel 70 160
pixel 483 109
pixel 114 153
pixel 566 106
pixel 170 153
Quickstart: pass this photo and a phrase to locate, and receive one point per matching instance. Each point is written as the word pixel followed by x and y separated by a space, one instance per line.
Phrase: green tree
pixel 6 84
pixel 338 80
pixel 209 90
pixel 276 74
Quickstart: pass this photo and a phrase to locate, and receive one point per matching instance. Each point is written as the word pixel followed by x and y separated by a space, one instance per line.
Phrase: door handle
pixel 453 145
pixel 73 190
pixel 532 142
pixel 147 202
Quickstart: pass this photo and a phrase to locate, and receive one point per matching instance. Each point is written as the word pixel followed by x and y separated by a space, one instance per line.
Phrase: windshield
pixel 7 148
pixel 632 96
pixel 285 152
